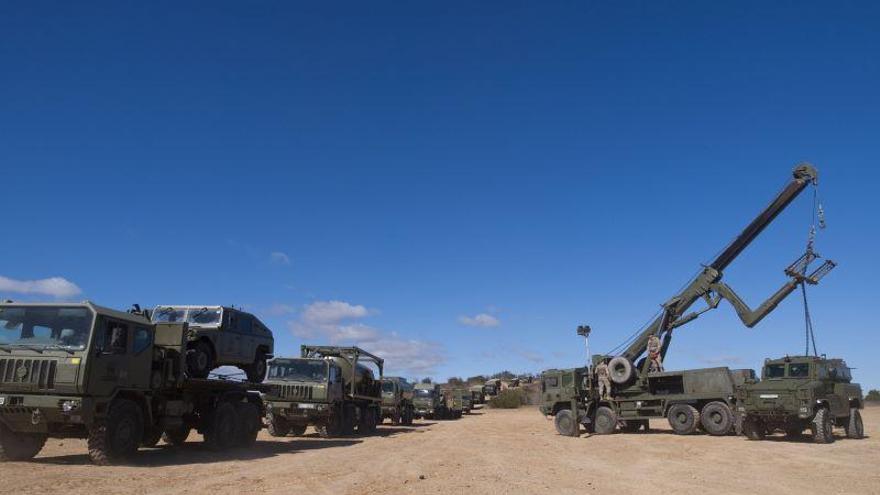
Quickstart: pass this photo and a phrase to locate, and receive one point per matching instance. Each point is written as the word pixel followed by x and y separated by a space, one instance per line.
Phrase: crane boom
pixel 708 286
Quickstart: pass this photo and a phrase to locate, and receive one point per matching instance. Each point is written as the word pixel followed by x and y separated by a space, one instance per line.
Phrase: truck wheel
pixel 854 427
pixel 408 417
pixel 199 360
pixel 823 427
pixel 683 418
pixel 278 427
pixel 753 429
pixel 621 369
pixel 717 418
pixel 151 438
pixel 605 422
pixel 249 425
pixel 298 430
pixel 396 418
pixel 222 429
pixel 176 436
pixel 794 431
pixel 565 423
pixel 117 437
pixel 19 446
pixel 367 424
pixel 256 372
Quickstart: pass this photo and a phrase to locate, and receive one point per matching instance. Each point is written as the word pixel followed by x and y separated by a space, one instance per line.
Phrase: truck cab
pixel 426 401
pixel 802 392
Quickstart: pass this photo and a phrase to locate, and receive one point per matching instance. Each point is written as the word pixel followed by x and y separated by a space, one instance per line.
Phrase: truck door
pixel 110 368
pixel 244 348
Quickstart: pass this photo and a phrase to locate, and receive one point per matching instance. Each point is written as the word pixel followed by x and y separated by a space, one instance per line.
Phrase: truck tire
pixel 683 418
pixel 717 418
pixel 298 430
pixel 333 426
pixel 278 427
pixel 348 419
pixel 622 370
pixel 396 418
pixel 753 428
pixel 199 360
pixel 222 429
pixel 854 427
pixel 176 436
pixel 256 371
pixel 823 426
pixel 605 422
pixel 407 417
pixel 367 424
pixel 566 424
pixel 249 424
pixel 19 446
pixel 119 435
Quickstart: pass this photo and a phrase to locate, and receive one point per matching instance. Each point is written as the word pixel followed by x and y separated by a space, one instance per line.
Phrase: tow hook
pixel 36 417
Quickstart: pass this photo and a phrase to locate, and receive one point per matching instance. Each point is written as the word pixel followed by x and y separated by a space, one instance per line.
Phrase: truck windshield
pixel 387 387
pixel 306 370
pixel 200 317
pixel 799 370
pixel 43 327
pixel 774 371
pixel 427 394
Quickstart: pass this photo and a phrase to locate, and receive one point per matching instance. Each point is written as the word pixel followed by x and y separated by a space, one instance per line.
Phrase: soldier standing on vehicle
pixel 654 360
pixel 604 379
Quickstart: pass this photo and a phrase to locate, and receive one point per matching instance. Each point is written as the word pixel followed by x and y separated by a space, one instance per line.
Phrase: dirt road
pixel 489 452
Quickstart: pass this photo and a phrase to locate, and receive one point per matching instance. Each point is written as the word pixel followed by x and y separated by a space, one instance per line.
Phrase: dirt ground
pixel 490 451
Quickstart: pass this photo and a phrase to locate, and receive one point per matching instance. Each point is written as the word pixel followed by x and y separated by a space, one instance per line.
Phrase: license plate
pixel 306 406
pixel 769 396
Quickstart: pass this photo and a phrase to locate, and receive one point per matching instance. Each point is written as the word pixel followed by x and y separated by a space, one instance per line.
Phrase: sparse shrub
pixel 507 399
pixel 873 395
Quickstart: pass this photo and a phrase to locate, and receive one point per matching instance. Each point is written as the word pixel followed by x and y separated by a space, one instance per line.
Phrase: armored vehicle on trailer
pixel 220 336
pixel 428 401
pixel 639 387
pixel 478 394
pixel 114 378
pixel 799 393
pixel 397 400
pixel 327 387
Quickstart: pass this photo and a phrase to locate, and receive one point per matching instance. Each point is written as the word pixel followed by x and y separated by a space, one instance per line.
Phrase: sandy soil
pixel 489 452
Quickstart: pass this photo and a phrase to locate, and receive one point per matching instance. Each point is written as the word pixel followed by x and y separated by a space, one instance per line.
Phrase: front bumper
pixel 44 413
pixel 298 410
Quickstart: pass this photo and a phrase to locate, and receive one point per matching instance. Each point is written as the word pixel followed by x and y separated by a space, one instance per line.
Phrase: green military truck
pixel 114 378
pixel 690 400
pixel 454 401
pixel 220 336
pixel 467 400
pixel 427 401
pixel 798 393
pixel 397 400
pixel 327 387
pixel 492 387
pixel 478 394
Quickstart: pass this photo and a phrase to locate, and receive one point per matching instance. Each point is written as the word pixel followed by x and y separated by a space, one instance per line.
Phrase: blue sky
pixel 455 184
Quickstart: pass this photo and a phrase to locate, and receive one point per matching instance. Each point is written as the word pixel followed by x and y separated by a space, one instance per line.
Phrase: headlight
pixel 69 405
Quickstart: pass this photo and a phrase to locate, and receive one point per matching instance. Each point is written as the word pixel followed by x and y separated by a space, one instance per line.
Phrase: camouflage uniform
pixel 603 376
pixel 654 354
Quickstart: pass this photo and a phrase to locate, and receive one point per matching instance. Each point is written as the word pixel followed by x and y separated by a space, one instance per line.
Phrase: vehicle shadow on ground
pixel 806 438
pixel 198 453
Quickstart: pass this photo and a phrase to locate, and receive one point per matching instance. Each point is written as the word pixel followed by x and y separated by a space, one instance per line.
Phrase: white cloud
pixel 335 322
pixel 480 320
pixel 57 287
pixel 279 258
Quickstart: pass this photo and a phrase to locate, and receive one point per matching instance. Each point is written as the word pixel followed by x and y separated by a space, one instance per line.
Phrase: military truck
pixel 428 401
pixel 453 400
pixel 492 387
pixel 690 400
pixel 327 387
pixel 79 370
pixel 798 393
pixel 220 336
pixel 397 400
pixel 467 401
pixel 478 394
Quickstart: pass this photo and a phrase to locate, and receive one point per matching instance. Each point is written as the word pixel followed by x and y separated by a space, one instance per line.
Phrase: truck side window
pixel 115 338
pixel 141 340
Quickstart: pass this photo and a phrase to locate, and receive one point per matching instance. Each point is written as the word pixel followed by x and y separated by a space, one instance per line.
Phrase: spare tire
pixel 621 370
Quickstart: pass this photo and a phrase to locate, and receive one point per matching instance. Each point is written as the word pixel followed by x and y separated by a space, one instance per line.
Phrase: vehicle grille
pixel 296 392
pixel 28 373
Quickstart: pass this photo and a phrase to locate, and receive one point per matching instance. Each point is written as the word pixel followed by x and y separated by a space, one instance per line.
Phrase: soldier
pixel 603 376
pixel 655 365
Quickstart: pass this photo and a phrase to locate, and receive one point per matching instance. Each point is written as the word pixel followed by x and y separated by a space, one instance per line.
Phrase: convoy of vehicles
pixel 328 387
pixel 220 335
pixel 114 378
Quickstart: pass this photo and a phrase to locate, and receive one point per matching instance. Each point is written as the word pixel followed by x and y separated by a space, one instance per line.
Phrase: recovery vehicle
pixel 115 378
pixel 690 399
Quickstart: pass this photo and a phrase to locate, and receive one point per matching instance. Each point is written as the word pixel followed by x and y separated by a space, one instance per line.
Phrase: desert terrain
pixel 490 451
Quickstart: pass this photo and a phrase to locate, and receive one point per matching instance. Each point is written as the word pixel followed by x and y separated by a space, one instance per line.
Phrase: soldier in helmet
pixel 654 360
pixel 603 376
